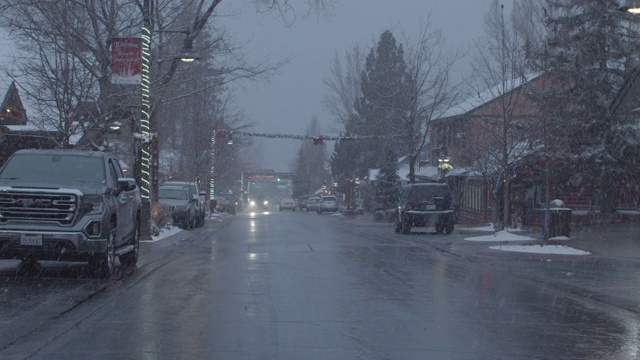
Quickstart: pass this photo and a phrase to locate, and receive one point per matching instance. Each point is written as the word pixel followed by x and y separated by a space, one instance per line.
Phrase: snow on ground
pixel 541 249
pixel 172 230
pixel 503 235
pixel 508 235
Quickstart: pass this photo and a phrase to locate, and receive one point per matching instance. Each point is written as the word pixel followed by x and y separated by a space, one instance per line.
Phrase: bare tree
pixel 68 44
pixel 344 86
pixel 500 67
pixel 431 90
pixel 309 165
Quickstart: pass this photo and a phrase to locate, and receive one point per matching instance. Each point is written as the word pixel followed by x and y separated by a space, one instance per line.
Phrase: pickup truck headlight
pixel 94 205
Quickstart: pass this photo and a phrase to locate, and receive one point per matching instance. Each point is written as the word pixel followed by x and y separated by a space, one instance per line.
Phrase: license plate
pixel 430 207
pixel 31 239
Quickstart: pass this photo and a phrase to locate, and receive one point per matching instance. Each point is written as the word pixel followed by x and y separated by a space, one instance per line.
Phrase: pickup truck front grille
pixel 59 208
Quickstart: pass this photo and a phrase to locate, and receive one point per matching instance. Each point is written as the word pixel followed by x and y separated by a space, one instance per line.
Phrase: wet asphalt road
pixel 299 286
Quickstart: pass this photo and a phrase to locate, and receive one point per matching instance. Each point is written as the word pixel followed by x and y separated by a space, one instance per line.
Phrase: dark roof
pixel 65 152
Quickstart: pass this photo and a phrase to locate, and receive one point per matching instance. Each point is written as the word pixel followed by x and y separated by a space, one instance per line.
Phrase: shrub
pixel 160 218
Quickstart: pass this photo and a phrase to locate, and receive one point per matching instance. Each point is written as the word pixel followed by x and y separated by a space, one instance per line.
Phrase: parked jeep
pixel 424 205
pixel 68 205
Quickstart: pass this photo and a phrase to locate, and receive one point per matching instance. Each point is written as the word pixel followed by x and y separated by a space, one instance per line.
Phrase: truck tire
pixel 103 265
pixel 131 258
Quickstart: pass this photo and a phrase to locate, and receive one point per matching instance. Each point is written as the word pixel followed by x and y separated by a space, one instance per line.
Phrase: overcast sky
pixel 287 103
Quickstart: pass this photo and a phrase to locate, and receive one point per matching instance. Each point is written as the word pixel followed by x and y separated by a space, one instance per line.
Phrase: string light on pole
pixel 317 140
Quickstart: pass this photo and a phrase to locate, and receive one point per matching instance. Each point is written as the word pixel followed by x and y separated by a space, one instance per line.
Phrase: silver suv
pixel 198 194
pixel 327 203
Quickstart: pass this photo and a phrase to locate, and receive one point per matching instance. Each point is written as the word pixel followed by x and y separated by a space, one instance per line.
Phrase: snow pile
pixel 541 249
pixel 508 235
pixel 503 235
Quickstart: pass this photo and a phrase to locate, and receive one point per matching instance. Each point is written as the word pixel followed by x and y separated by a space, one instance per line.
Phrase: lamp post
pixel 444 166
pixel 147 144
pixel 632 6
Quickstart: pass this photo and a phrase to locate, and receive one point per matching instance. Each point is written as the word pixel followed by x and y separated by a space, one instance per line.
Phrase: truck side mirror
pixel 126 184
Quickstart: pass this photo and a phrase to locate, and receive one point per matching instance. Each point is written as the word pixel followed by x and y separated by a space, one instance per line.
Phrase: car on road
pixel 259 203
pixel 287 204
pixel 327 203
pixel 424 205
pixel 198 194
pixel 302 202
pixel 181 203
pixel 312 203
pixel 69 205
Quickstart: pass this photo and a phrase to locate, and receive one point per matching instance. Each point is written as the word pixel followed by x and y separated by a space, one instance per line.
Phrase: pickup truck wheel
pixel 131 258
pixel 102 265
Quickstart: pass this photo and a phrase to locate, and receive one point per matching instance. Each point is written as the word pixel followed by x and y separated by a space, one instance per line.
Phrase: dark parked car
pixel 424 205
pixel 233 205
pixel 182 204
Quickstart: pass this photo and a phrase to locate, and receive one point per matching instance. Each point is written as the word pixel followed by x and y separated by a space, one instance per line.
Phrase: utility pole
pixel 145 137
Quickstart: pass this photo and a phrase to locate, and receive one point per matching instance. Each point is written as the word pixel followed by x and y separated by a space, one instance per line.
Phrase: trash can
pixel 560 221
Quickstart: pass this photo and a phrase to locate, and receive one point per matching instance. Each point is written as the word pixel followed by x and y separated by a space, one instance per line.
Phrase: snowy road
pixel 297 286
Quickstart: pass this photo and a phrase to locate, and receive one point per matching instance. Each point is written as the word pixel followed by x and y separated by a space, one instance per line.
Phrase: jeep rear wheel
pixel 448 229
pixel 102 265
pixel 404 226
pixel 396 226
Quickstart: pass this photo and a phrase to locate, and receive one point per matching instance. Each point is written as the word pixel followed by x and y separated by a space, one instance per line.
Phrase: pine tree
pixel 383 106
pixel 309 164
pixel 388 183
pixel 588 52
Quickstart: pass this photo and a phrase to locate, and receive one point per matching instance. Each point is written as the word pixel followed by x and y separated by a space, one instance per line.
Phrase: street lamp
pixel 444 165
pixel 632 6
pixel 147 147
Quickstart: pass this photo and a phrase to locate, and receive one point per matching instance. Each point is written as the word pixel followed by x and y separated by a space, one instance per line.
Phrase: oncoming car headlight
pixel 266 202
pixel 252 203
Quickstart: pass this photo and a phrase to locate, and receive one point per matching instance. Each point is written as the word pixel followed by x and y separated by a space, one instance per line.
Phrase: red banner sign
pixel 126 61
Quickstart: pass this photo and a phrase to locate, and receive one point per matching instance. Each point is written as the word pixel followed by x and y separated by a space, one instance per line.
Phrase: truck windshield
pixel 34 167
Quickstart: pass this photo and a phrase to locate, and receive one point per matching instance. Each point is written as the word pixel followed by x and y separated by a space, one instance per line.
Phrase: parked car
pixel 69 205
pixel 327 203
pixel 222 204
pixel 302 202
pixel 424 205
pixel 181 203
pixel 198 194
pixel 287 204
pixel 233 204
pixel 312 203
